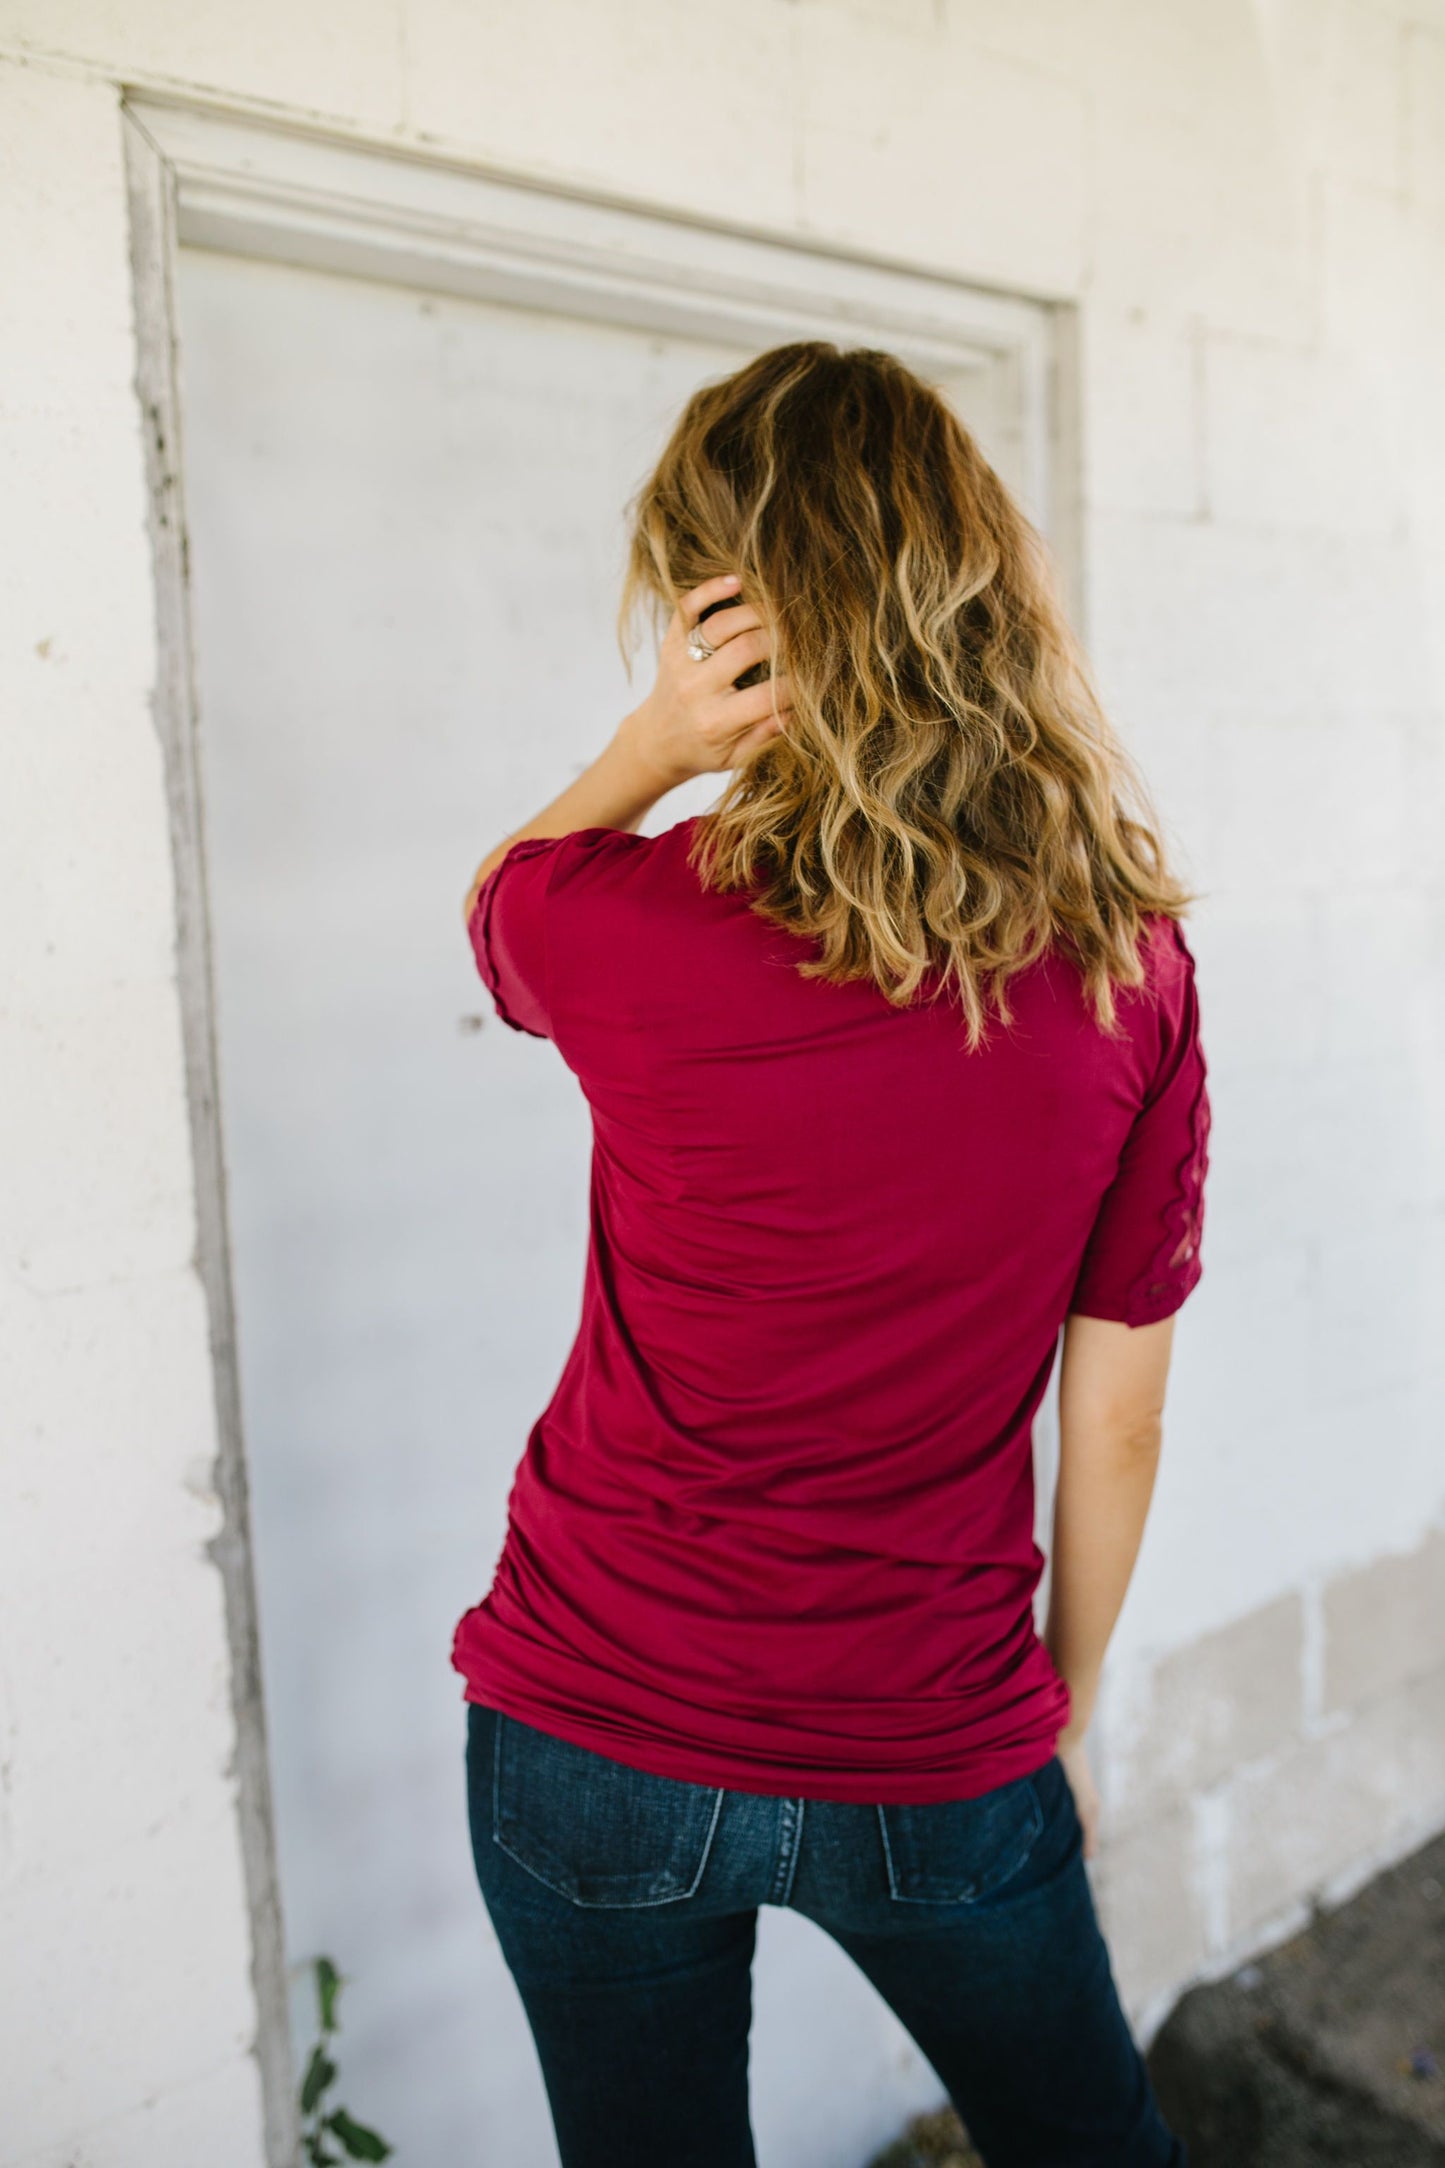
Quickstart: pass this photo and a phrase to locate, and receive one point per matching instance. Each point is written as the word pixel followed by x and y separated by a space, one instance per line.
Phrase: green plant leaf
pixel 319 2153
pixel 360 2143
pixel 320 2072
pixel 328 1987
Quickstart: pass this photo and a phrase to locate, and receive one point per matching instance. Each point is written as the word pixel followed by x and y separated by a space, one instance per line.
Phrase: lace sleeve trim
pixel 1177 1267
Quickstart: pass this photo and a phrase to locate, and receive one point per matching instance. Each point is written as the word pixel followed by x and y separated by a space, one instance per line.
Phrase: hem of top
pixel 720 1771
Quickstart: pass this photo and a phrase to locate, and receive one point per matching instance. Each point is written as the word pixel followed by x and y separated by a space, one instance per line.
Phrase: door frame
pixel 200 173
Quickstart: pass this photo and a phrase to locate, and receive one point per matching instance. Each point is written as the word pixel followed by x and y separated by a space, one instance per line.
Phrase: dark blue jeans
pixel 626 1908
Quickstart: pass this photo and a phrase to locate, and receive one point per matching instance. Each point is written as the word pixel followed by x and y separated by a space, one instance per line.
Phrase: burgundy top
pixel 774 1528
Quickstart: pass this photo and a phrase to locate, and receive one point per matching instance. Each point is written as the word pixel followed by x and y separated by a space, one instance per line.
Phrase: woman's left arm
pixel 693 722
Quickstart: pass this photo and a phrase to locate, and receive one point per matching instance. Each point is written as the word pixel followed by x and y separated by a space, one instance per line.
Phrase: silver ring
pixel 698 645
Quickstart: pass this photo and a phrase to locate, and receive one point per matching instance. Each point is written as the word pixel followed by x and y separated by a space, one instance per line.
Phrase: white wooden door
pixel 406 533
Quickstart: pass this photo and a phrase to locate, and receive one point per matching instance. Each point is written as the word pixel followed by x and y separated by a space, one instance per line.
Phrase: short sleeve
pixel 1142 1257
pixel 521 915
pixel 508 928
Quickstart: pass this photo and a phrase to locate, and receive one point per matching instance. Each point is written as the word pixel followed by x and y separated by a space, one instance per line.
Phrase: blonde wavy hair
pixel 946 797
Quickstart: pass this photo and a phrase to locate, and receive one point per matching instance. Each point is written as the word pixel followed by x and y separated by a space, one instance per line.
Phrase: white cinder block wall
pixel 1248 204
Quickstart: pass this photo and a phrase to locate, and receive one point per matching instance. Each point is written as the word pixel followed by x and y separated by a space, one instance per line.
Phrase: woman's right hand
pixel 1071 1753
pixel 696 721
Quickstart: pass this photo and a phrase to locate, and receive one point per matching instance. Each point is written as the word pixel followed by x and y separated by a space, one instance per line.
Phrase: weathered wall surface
pixel 1248 204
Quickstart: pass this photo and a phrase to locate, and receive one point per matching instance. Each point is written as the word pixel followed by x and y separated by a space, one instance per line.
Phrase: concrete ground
pixel 935 2140
pixel 1330 2049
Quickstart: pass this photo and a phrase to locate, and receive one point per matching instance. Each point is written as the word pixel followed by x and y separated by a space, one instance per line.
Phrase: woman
pixel 894 1070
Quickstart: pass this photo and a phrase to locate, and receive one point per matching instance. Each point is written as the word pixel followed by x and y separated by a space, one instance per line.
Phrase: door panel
pixel 406 531
pixel 406 535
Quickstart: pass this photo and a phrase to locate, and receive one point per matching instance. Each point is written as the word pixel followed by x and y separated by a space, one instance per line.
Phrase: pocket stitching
pixel 622 1904
pixel 980 1888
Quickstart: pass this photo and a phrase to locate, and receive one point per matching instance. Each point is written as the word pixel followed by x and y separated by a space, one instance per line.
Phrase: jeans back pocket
pixel 956 1851
pixel 594 1830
